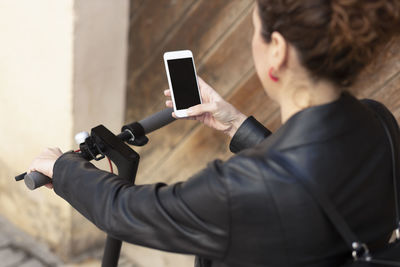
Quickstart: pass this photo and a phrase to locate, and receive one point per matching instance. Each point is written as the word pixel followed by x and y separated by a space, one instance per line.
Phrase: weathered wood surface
pixel 153 24
pixel 219 34
pixel 201 32
pixel 381 81
pixel 389 94
pixel 380 72
pixel 217 56
pixel 134 9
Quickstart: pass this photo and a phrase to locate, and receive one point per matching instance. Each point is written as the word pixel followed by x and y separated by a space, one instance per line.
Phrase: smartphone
pixel 182 80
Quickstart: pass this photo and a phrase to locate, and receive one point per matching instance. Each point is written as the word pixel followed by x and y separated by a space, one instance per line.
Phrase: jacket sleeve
pixel 191 217
pixel 249 134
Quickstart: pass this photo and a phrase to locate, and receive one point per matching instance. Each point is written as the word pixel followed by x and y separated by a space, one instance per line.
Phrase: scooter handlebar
pixel 157 120
pixel 34 180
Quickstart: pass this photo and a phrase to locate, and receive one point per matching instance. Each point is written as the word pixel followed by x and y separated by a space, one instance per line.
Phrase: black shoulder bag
pixel 362 257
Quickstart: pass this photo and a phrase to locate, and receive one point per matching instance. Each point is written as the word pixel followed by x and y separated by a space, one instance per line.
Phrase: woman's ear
pixel 279 51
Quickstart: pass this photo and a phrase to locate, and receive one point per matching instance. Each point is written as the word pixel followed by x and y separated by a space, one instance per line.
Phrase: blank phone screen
pixel 183 80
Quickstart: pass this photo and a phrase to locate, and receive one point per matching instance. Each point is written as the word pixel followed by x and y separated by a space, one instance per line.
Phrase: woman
pixel 251 210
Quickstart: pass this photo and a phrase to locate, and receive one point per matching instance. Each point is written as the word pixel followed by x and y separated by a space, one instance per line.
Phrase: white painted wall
pixel 99 79
pixel 100 58
pixel 36 44
pixel 62 70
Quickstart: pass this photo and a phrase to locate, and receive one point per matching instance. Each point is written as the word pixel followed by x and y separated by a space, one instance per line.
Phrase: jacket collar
pixel 319 123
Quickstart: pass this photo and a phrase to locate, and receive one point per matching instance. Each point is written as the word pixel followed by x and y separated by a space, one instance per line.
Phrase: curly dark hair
pixel 335 39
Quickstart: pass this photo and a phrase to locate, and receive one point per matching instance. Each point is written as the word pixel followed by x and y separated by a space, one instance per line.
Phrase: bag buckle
pixel 360 251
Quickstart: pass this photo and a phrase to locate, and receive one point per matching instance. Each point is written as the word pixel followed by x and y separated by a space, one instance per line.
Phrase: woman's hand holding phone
pixel 214 112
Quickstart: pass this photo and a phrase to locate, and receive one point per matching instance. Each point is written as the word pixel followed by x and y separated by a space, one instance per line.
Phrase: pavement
pixel 18 249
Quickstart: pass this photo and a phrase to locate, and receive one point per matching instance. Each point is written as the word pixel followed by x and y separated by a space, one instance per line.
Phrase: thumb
pixel 201 108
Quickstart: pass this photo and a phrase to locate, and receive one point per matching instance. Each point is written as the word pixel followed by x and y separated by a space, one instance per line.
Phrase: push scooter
pixel 103 143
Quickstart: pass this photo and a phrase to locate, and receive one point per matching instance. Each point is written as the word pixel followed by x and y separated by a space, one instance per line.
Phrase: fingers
pixel 202 84
pixel 202 108
pixel 186 118
pixel 44 163
pixel 168 104
pixel 201 81
pixel 208 93
pixel 167 92
pixel 49 186
pixel 51 151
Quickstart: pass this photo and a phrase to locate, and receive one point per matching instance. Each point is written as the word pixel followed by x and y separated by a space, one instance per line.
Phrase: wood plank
pixel 389 95
pixel 376 75
pixel 152 26
pixel 144 95
pixel 199 30
pixel 134 9
pixel 224 67
pixel 251 99
pixel 381 80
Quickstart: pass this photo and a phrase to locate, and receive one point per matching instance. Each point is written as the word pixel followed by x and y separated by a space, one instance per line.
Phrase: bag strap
pixel 360 250
pixel 394 172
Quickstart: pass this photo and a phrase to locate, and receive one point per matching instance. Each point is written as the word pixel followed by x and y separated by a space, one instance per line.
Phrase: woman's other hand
pixel 44 163
pixel 214 112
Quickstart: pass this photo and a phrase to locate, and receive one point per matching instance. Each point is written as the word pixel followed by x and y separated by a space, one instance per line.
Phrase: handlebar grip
pixel 157 120
pixel 34 180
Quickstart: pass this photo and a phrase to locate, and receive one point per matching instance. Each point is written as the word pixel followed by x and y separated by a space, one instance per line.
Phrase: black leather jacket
pixel 249 211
